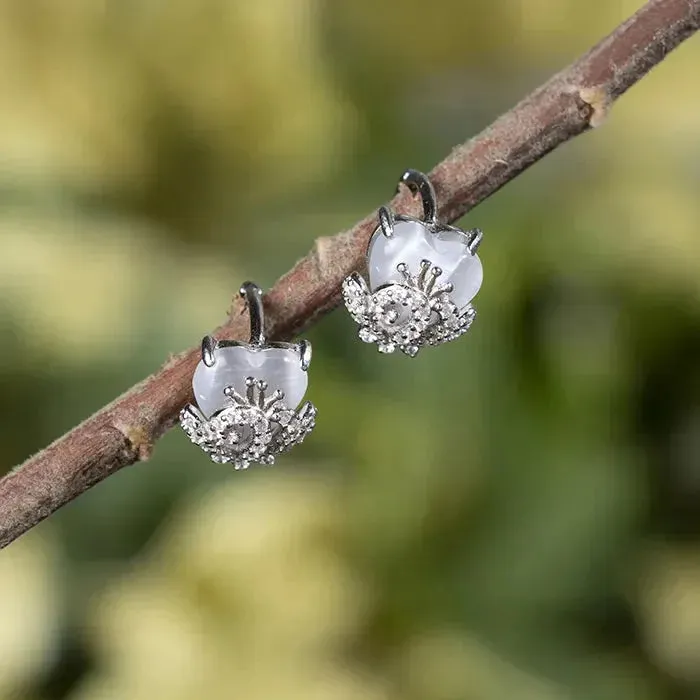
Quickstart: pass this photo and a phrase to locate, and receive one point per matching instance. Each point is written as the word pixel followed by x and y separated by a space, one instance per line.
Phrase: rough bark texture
pixel 568 104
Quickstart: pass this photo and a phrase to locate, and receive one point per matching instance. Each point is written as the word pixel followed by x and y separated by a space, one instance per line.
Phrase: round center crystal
pixel 244 435
pixel 395 316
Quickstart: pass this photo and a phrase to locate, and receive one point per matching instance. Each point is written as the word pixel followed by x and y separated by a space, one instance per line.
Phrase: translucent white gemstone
pixel 279 367
pixel 413 242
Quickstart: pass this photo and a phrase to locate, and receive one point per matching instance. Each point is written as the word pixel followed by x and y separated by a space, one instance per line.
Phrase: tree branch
pixel 567 105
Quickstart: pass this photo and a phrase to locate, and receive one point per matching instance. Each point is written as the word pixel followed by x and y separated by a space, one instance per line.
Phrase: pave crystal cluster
pixel 406 315
pixel 251 428
pixel 403 307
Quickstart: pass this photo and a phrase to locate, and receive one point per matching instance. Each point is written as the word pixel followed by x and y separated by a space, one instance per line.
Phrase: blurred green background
pixel 511 516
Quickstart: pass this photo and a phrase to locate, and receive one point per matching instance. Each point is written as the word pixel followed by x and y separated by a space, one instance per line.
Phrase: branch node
pixel 323 252
pixel 139 439
pixel 330 254
pixel 599 101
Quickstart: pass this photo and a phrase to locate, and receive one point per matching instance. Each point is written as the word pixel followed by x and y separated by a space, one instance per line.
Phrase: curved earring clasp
pixel 252 294
pixel 419 183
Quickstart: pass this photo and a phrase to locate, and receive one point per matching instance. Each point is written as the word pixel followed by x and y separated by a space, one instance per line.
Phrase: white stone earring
pixel 403 306
pixel 248 393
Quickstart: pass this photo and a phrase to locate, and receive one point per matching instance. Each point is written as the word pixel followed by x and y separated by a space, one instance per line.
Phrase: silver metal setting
pixel 386 221
pixel 303 347
pixel 415 311
pixel 253 301
pixel 208 347
pixel 257 426
pixel 419 183
pixel 252 294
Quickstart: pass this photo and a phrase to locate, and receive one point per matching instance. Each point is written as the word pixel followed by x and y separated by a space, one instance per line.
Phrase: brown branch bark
pixel 568 104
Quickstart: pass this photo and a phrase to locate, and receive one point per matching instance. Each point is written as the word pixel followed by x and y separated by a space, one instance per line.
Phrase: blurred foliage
pixel 511 516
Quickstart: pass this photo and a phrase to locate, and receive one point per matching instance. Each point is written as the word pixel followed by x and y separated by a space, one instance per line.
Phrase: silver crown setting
pixel 250 428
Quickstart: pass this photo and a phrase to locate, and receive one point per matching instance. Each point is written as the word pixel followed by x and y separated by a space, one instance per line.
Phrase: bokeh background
pixel 512 516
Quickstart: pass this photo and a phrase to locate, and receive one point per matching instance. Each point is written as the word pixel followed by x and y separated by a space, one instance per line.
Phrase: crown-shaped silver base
pixel 251 428
pixel 409 314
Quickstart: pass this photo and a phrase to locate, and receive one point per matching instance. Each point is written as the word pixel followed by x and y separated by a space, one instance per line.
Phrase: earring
pixel 403 306
pixel 238 419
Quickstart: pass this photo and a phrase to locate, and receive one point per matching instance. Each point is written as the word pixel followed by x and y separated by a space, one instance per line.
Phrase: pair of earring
pixel 248 394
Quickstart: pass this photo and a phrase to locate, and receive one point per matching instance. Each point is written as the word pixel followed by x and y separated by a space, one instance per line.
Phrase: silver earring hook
pixel 419 183
pixel 252 294
pixel 253 300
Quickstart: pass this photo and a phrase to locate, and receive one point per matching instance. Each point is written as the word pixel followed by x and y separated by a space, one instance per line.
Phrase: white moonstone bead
pixel 279 367
pixel 413 242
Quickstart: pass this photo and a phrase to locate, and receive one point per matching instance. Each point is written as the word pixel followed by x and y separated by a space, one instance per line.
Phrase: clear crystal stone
pixel 413 242
pixel 367 336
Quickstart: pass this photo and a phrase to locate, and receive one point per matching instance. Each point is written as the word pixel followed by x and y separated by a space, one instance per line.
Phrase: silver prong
pixel 424 267
pixel 435 272
pixel 475 237
pixel 419 183
pixel 253 299
pixel 304 350
pixel 262 387
pixel 386 221
pixel 250 389
pixel 277 395
pixel 209 345
pixel 230 392
pixel 403 269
